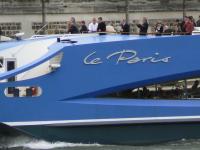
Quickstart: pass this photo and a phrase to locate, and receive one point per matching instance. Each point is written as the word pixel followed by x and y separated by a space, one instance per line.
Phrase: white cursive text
pixel 127 56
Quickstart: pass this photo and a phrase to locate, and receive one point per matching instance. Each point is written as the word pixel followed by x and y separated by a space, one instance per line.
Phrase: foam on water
pixel 48 145
pixel 34 144
pixel 41 144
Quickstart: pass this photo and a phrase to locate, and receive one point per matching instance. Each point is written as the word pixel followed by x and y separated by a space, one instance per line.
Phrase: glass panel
pixel 181 89
pixel 194 88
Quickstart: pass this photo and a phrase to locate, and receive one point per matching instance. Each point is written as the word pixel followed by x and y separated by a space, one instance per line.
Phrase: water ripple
pixel 29 143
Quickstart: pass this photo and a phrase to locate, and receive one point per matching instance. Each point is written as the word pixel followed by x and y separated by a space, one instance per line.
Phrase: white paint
pixel 4 38
pixel 107 121
pixel 31 52
pixel 94 61
pixel 27 53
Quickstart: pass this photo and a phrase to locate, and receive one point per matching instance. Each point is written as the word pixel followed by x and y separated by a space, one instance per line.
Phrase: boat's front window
pixel 182 89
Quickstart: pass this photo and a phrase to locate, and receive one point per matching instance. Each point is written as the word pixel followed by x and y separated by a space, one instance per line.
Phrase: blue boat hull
pixel 109 121
pixel 73 106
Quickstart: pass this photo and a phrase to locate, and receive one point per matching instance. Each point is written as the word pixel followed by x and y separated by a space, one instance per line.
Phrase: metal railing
pixel 43 28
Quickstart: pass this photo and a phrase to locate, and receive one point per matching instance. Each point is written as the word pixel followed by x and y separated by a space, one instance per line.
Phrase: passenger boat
pixel 108 89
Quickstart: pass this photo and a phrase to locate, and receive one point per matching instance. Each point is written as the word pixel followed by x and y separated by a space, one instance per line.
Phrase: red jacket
pixel 189 27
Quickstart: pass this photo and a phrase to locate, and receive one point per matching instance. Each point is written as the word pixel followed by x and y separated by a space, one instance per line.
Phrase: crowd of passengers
pixel 185 26
pixel 159 93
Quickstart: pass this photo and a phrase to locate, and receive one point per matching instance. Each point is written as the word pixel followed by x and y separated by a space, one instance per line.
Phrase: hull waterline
pixel 129 134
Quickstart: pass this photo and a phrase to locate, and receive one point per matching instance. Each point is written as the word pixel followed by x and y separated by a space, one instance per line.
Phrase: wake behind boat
pixel 108 89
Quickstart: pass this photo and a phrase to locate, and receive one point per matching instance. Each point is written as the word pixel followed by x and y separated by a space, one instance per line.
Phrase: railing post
pixel 127 10
pixel 184 12
pixel 43 15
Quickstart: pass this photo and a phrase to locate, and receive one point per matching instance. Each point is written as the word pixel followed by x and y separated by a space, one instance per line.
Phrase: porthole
pixel 23 91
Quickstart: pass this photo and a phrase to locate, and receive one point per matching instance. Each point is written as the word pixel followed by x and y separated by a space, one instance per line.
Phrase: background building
pixel 26 15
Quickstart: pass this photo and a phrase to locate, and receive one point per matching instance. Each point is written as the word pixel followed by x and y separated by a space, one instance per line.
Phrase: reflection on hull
pixel 128 134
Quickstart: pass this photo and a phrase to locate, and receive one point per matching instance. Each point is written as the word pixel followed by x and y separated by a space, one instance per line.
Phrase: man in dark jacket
pixel 84 28
pixel 159 29
pixel 143 27
pixel 125 27
pixel 101 26
pixel 72 27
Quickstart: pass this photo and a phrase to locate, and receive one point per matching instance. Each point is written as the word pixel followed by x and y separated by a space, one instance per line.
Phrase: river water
pixel 25 143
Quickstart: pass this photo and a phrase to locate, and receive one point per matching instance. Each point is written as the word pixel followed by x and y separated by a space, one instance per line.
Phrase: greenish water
pixel 24 143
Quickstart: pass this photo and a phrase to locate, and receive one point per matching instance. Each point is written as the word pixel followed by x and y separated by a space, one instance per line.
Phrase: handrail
pixel 127 33
pixel 38 31
pixel 136 33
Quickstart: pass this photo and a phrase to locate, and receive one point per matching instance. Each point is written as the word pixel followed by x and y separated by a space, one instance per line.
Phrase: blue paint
pixel 70 91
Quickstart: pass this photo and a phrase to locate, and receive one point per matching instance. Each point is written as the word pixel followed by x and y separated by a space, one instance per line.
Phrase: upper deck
pixel 79 38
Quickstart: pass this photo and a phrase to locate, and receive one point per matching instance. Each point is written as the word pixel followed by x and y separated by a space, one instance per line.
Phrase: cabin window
pixel 11 65
pixel 1 62
pixel 25 91
pixel 182 89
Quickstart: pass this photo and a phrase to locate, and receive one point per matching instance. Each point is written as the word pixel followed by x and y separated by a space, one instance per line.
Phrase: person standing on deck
pixel 189 26
pixel 101 26
pixel 198 22
pixel 93 26
pixel 84 28
pixel 159 29
pixel 72 27
pixel 125 27
pixel 143 27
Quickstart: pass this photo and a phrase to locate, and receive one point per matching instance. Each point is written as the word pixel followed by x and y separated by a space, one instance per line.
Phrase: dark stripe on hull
pixel 138 134
pixel 8 131
pixel 9 134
